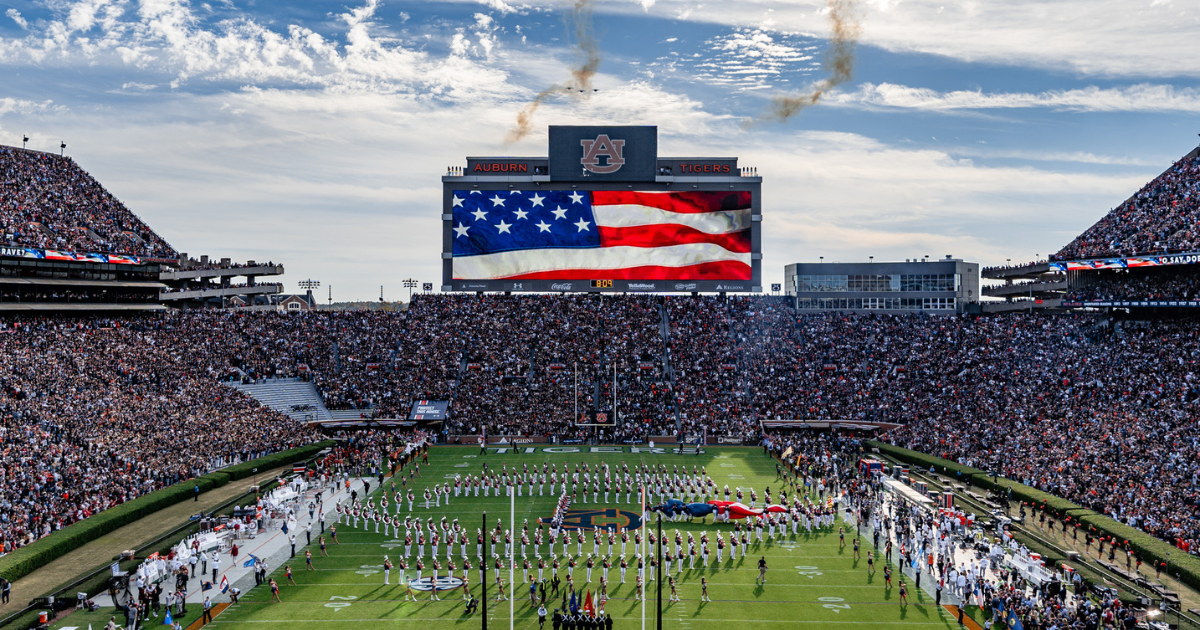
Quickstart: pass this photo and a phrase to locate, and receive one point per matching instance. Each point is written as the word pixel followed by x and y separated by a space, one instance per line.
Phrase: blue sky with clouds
pixel 315 133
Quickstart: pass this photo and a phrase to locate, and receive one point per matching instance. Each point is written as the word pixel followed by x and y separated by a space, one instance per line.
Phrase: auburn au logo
pixel 612 150
pixel 608 518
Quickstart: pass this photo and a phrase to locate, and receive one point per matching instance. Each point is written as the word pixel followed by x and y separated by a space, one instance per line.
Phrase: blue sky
pixel 315 133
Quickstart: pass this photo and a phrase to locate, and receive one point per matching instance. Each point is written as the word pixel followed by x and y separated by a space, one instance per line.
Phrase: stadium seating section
pixel 1102 416
pixel 1162 217
pixel 48 202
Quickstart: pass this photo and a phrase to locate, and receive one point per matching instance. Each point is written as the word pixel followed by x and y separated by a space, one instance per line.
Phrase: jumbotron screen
pixel 601 213
pixel 601 234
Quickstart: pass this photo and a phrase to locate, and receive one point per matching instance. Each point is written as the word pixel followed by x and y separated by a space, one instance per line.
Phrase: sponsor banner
pixel 54 254
pixel 429 410
pixel 500 439
pixel 645 365
pixel 474 366
pixel 1132 262
pixel 557 366
pixel 600 284
pixel 601 418
pixel 729 440
pixel 1132 304
pixel 728 366
pixel 828 424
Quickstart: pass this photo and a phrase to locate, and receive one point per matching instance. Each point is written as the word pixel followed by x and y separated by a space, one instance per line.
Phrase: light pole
pixel 308 285
pixel 410 284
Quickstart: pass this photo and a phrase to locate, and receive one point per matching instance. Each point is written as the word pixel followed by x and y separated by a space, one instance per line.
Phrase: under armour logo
pixel 603 146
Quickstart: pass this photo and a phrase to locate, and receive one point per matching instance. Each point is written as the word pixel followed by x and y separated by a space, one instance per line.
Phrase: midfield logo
pixel 614 150
pixel 444 583
pixel 608 518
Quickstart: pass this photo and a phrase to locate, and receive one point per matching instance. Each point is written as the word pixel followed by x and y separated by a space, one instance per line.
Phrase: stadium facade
pixel 944 286
pixel 602 213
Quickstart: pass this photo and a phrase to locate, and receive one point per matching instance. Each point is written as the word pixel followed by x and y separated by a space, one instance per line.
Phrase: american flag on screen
pixel 619 235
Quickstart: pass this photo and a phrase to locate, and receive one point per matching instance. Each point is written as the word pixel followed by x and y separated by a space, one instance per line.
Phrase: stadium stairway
pixel 293 397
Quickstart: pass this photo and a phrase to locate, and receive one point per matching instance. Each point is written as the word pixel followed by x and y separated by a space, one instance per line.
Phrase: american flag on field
pixel 620 235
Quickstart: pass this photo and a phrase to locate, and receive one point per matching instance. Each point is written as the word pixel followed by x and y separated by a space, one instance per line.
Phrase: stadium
pixel 600 420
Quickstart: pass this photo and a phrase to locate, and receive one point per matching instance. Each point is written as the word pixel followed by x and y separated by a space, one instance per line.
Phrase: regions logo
pixel 613 150
pixel 561 286
pixel 609 518
pixel 444 583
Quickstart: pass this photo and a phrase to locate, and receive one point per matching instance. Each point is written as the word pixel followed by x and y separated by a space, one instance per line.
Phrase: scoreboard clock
pixel 602 284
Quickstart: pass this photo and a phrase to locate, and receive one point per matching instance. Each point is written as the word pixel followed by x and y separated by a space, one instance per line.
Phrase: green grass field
pixel 811 580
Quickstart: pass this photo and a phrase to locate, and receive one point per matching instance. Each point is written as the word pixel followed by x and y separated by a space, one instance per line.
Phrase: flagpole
pixel 644 532
pixel 658 570
pixel 512 518
pixel 576 419
pixel 483 598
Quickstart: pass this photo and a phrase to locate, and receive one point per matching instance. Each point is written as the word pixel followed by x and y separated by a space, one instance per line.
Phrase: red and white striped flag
pixel 620 235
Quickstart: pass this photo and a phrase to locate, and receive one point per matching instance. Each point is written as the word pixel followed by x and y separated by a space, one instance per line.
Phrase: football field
pixel 812 579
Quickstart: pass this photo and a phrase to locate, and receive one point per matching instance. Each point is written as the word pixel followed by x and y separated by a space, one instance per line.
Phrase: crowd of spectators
pixel 48 202
pixel 204 286
pixel 1032 263
pixel 1102 415
pixel 1156 284
pixel 1162 217
pixel 95 412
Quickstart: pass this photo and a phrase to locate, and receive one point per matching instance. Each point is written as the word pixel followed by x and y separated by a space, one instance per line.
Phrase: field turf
pixel 811 581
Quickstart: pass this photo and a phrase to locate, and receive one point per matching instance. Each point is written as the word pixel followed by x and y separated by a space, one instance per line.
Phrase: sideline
pixel 216 610
pixel 62 570
pixel 970 623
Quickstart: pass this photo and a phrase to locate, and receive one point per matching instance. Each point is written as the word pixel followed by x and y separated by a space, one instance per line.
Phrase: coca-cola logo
pixel 562 286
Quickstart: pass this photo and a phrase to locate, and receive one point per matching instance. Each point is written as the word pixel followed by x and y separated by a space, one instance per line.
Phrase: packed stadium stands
pixel 1159 218
pixel 50 202
pixel 95 412
pixel 1147 284
pixel 1099 414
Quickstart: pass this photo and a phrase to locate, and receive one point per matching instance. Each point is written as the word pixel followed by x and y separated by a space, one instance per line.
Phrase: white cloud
pixel 168 37
pixel 1136 98
pixel 15 15
pixel 1094 37
pixel 503 7
pixel 21 106
pixel 752 59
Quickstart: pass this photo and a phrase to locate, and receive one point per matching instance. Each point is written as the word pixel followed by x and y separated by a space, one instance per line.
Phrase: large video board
pixel 617 220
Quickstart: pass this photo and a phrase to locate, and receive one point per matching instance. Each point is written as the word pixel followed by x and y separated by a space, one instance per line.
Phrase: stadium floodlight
pixel 24 140
pixel 309 284
pixel 410 284
pixel 62 149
